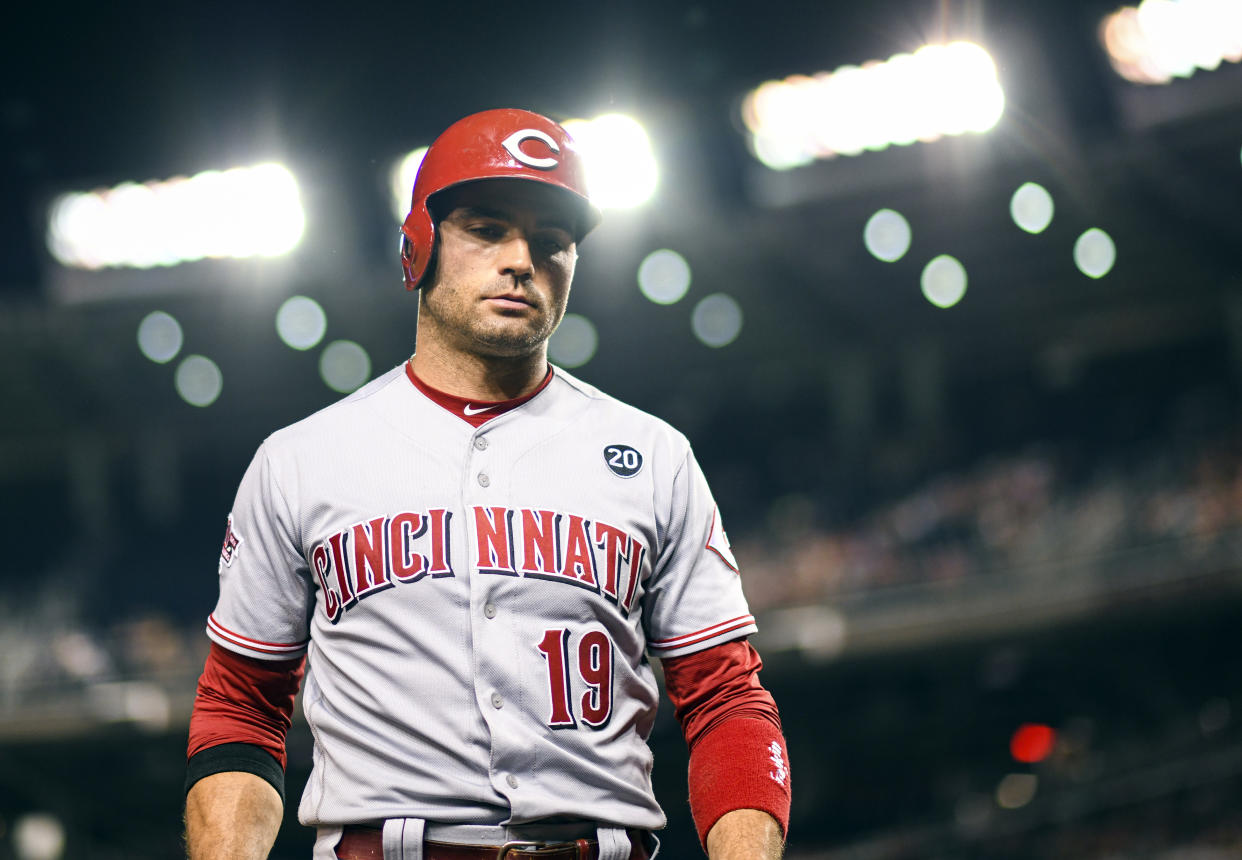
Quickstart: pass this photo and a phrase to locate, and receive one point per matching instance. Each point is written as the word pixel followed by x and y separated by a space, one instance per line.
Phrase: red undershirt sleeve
pixel 242 714
pixel 738 758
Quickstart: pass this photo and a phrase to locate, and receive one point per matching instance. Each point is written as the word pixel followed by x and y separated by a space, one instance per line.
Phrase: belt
pixel 367 843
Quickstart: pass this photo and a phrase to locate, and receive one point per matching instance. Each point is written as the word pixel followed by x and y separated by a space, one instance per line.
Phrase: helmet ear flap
pixel 408 254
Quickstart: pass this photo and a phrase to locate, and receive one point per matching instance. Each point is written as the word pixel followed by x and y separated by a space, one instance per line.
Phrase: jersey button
pixel 483 479
pixel 497 701
pixel 490 610
pixel 480 443
pixel 512 780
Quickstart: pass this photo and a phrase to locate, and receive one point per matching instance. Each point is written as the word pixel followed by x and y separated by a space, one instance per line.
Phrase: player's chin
pixel 511 341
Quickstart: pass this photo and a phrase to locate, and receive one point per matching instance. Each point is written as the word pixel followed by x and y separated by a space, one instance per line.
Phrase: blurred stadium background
pixel 956 332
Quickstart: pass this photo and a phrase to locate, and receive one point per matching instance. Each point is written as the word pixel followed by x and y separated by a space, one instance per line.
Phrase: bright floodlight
pixel 944 281
pixel 198 380
pixel 1095 253
pixel 1031 207
pixel 301 322
pixel 243 212
pixel 938 90
pixel 717 320
pixel 574 342
pixel 401 181
pixel 621 168
pixel 1159 40
pixel 159 337
pixel 344 365
pixel 664 276
pixel 887 235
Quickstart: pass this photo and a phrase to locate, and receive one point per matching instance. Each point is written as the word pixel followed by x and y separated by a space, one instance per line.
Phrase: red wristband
pixel 740 764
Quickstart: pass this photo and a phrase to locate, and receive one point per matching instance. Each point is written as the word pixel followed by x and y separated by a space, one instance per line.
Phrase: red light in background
pixel 1032 742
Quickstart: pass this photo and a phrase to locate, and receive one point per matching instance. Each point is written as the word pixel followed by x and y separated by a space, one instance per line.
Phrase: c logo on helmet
pixel 513 143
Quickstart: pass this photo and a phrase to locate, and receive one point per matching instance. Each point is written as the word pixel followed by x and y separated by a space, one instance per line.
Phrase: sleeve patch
pixel 232 543
pixel 718 541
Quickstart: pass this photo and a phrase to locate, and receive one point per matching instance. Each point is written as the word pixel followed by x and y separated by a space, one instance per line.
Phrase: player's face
pixel 504 264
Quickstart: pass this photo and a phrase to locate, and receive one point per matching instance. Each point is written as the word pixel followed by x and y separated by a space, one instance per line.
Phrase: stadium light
pixel 622 172
pixel 242 212
pixel 938 90
pixel 401 181
pixel 1159 40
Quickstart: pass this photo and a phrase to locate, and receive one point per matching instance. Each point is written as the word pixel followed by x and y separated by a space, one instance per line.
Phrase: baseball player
pixel 471 559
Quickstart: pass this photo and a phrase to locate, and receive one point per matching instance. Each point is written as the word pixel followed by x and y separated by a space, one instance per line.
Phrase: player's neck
pixel 480 377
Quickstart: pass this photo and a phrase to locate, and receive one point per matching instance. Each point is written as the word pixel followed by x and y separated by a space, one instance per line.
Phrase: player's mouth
pixel 510 301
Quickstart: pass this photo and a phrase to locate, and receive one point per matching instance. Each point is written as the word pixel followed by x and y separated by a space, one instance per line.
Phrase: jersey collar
pixel 473 412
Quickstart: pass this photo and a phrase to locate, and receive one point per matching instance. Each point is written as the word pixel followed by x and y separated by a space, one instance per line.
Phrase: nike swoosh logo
pixel 469 409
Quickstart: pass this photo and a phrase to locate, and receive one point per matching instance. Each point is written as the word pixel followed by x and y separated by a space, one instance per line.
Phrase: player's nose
pixel 516 257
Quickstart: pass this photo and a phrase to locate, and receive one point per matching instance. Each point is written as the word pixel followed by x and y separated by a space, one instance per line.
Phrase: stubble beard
pixel 506 341
pixel 493 336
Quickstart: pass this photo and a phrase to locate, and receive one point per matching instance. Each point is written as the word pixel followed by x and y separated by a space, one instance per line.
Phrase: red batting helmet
pixel 494 144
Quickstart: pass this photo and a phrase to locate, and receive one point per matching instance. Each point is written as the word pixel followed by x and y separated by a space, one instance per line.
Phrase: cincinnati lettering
pixel 374 555
pixel 564 548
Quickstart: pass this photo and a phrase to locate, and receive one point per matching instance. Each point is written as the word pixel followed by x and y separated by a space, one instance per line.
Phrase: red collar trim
pixel 473 412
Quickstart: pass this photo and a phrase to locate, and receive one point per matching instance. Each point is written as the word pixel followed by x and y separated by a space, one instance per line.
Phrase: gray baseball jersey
pixel 477 604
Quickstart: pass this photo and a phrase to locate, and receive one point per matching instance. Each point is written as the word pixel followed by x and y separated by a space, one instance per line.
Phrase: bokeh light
pixel 887 235
pixel 574 342
pixel 1016 790
pixel 938 90
pixel 621 167
pixel 160 337
pixel 1032 742
pixel 944 281
pixel 1095 253
pixel 301 322
pixel 39 836
pixel 401 181
pixel 198 380
pixel 242 212
pixel 717 320
pixel 1031 207
pixel 1159 40
pixel 664 276
pixel 344 365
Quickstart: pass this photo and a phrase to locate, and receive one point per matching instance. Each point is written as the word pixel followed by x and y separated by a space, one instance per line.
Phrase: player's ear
pixel 429 279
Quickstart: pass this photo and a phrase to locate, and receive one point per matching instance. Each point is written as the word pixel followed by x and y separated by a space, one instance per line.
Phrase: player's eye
pixel 486 230
pixel 552 244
